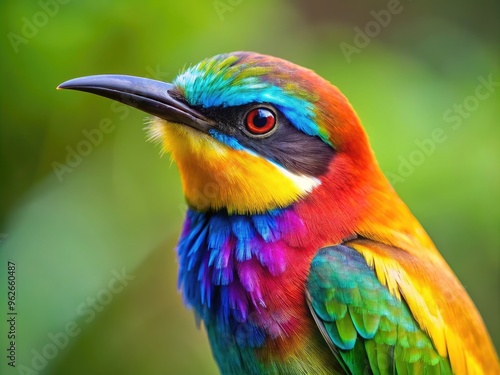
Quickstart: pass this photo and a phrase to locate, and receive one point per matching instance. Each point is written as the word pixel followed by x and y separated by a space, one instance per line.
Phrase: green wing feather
pixel 368 329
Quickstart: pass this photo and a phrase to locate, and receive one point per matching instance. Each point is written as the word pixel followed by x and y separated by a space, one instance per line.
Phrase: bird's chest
pixel 244 277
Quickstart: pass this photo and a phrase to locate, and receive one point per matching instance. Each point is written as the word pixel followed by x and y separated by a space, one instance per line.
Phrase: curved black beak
pixel 154 97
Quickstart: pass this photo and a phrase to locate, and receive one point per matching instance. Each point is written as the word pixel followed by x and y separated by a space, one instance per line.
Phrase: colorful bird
pixel 296 252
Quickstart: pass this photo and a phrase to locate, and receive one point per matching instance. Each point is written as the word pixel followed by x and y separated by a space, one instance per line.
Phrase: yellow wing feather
pixel 438 302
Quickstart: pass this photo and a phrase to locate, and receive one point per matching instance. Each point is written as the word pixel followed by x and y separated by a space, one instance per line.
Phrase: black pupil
pixel 260 119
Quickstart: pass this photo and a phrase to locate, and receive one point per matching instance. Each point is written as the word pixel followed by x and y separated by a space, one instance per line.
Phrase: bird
pixel 296 253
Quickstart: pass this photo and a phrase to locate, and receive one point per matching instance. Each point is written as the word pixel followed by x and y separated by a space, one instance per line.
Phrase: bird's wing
pixel 370 328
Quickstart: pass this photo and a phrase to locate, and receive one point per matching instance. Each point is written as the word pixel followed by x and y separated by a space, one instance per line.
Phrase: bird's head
pixel 249 132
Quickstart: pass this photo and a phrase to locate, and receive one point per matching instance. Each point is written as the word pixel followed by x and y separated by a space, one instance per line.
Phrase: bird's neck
pixel 223 259
pixel 243 275
pixel 226 261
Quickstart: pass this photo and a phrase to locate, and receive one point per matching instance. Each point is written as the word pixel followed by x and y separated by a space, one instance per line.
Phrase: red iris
pixel 260 121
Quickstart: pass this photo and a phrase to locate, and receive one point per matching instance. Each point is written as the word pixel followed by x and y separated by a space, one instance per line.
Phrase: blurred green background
pixel 119 207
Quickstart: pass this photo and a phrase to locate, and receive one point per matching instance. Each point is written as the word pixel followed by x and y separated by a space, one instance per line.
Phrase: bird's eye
pixel 260 120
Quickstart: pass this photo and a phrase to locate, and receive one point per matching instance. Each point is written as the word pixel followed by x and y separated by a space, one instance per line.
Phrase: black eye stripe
pixel 284 144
